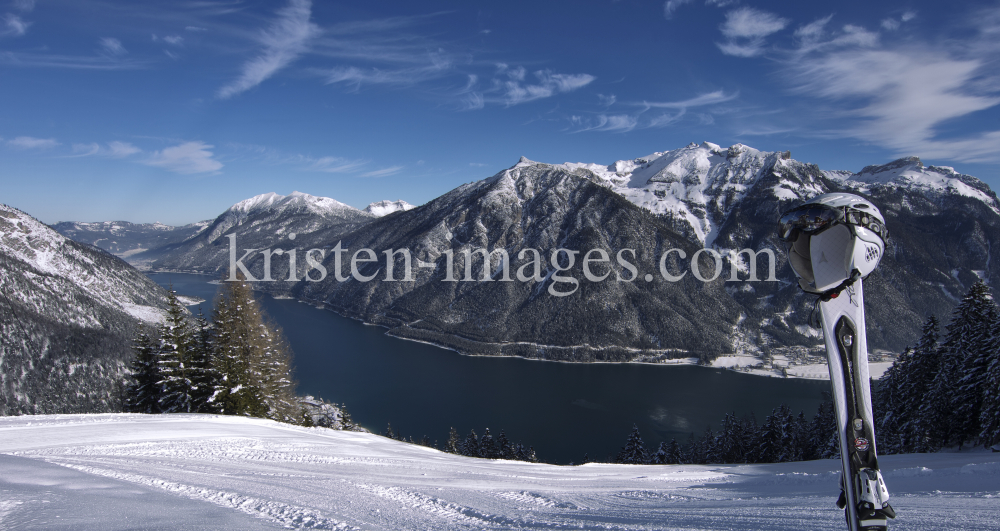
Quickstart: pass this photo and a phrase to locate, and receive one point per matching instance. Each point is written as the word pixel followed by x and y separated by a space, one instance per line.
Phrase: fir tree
pixel 487 446
pixel 675 454
pixel 205 379
pixel 176 359
pixel 951 407
pixel 660 456
pixel 989 416
pixel 471 445
pixel 504 447
pixel 634 452
pixel 252 359
pixel 452 446
pixel 144 392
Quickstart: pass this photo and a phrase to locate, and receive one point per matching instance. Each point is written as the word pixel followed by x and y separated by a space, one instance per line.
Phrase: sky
pixel 172 111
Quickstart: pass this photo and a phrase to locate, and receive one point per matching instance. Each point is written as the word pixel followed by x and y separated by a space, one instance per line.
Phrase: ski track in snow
pixel 289 516
pixel 313 478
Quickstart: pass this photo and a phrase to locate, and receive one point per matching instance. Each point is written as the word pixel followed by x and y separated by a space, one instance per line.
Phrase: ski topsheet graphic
pixel 833 242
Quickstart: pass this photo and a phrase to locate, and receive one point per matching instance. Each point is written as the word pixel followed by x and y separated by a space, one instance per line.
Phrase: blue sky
pixel 172 111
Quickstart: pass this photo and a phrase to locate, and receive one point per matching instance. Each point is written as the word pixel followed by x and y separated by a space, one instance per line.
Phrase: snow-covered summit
pixel 697 184
pixel 298 200
pixel 384 208
pixel 910 172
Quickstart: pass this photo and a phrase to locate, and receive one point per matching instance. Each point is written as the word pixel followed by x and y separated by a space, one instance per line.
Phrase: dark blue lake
pixel 564 410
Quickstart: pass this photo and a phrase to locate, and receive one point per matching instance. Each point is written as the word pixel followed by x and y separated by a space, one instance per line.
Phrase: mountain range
pixel 942 225
pixel 68 315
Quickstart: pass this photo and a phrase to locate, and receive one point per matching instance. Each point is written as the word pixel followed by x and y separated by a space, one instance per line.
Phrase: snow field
pixel 121 471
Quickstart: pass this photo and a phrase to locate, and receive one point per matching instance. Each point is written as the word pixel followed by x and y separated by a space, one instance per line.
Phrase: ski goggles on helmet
pixel 809 218
pixel 813 218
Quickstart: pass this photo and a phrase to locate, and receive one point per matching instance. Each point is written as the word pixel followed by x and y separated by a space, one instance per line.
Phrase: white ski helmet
pixel 833 240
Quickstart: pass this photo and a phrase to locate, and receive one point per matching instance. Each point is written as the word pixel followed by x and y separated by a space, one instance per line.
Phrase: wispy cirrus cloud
pixel 615 123
pixel 383 172
pixel 284 41
pixel 745 29
pixel 187 158
pixel 115 150
pixel 335 164
pixel 112 47
pixel 13 26
pixel 517 91
pixel 649 115
pixel 898 94
pixel 30 142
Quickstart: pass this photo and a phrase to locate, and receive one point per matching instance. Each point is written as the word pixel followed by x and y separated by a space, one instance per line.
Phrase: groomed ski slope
pixel 117 471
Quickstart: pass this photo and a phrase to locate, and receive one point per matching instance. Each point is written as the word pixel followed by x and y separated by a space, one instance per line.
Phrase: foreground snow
pixel 208 472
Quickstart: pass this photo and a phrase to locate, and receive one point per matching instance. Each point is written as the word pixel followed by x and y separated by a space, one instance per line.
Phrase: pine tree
pixel 954 398
pixel 144 392
pixel 252 359
pixel 675 455
pixel 972 386
pixel 660 456
pixel 176 359
pixel 452 446
pixel 487 446
pixel 471 445
pixel 921 370
pixel 504 447
pixel 204 379
pixel 634 452
pixel 989 416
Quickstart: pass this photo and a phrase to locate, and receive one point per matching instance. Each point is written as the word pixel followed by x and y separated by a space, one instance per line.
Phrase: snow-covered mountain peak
pixel 697 184
pixel 910 172
pixel 299 200
pixel 384 208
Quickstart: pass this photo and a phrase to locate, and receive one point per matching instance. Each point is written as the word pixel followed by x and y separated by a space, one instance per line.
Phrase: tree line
pixel 240 364
pixel 937 394
pixel 783 436
pixel 485 447
pixel 941 394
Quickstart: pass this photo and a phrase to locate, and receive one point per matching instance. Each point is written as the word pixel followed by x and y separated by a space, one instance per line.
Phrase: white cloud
pixel 897 96
pixel 746 28
pixel 283 41
pixel 890 24
pixel 175 40
pixel 30 142
pixel 908 16
pixel 671 6
pixel 114 150
pixel 747 22
pixel 708 98
pixel 749 49
pixel 549 85
pixel 336 165
pixel 85 150
pixel 195 28
pixel 187 158
pixel 113 46
pixel 607 99
pixel 383 172
pixel 122 149
pixel 473 101
pixel 24 5
pixel 813 30
pixel 13 25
